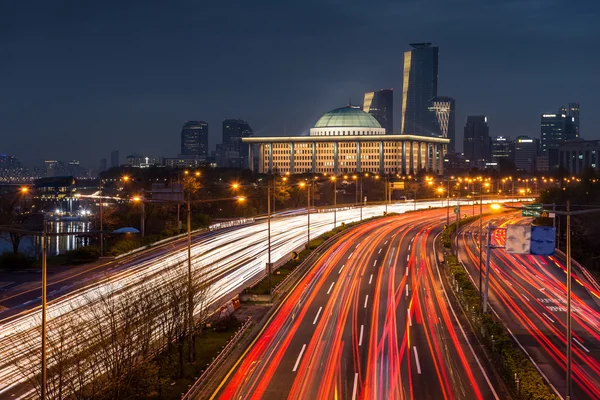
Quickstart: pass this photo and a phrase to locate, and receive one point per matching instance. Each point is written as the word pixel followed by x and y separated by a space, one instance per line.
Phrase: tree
pixel 11 214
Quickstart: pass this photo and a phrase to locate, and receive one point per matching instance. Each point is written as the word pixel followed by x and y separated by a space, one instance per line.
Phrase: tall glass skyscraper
pixel 442 111
pixel 419 87
pixel 194 138
pixel 381 106
pixel 476 142
pixel 233 132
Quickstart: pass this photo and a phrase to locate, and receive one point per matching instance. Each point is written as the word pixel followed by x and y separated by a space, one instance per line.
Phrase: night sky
pixel 77 80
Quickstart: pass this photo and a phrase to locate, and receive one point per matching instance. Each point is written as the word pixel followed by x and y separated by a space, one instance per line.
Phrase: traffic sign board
pixel 456 210
pixel 532 210
pixel 295 255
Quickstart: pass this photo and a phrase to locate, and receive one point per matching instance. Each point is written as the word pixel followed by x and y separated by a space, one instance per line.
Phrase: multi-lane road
pixel 370 320
pixel 529 295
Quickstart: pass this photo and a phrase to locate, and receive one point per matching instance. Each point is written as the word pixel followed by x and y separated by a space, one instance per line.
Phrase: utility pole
pixel 101 235
pixel 448 208
pixel 308 214
pixel 44 309
pixel 568 396
pixel 190 290
pixel 480 243
pixel 334 179
pixel 487 266
pixel 269 231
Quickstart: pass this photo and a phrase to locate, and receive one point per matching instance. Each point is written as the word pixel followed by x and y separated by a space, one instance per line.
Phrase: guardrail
pixel 195 388
pixel 592 279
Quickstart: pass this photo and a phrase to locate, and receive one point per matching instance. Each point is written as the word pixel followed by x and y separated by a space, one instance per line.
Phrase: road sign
pixel 532 210
pixel 528 239
pixel 295 255
pixel 456 210
pixel 397 185
pixel 545 214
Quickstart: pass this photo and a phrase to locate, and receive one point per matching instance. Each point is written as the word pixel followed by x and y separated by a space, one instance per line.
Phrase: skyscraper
pixel 526 150
pixel 502 149
pixel 476 141
pixel 114 158
pixel 574 113
pixel 381 106
pixel 555 129
pixel 419 87
pixel 233 132
pixel 194 138
pixel 442 111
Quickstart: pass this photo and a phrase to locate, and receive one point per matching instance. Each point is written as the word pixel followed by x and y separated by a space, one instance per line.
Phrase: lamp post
pixel 101 227
pixel 269 230
pixel 334 180
pixel 481 186
pixel 303 185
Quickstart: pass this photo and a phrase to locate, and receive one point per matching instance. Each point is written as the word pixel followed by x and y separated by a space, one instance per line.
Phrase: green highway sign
pixel 456 210
pixel 532 210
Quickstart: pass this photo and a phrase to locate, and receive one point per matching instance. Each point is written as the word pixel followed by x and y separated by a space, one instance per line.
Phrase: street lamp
pixel 138 199
pixel 481 186
pixel 304 185
pixel 334 180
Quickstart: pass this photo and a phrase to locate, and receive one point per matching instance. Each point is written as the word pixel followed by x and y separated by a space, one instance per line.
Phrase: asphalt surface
pixel 369 321
pixel 529 294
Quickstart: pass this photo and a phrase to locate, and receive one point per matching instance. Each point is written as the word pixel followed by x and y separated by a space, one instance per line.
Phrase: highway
pixel 228 261
pixel 529 294
pixel 369 321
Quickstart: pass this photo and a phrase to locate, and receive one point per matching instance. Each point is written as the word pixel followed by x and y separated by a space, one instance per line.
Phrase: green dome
pixel 347 117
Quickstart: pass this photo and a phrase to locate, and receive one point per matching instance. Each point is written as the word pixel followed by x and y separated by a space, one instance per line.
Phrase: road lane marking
pixel 350 255
pixel 357 246
pixel 331 287
pixel 386 242
pixel 375 263
pixel 366 300
pixel 526 298
pixel 581 344
pixel 411 240
pixel 417 360
pixel 379 251
pixel 407 270
pixel 546 315
pixel 370 279
pixel 362 327
pixel 317 316
pixel 355 388
pixel 409 247
pixel 299 358
pixel 407 257
pixel 409 319
pixel 407 290
pixel 340 271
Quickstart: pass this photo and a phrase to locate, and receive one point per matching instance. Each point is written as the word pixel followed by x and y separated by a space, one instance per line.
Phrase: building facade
pixel 194 138
pixel 233 132
pixel 381 106
pixel 114 158
pixel 349 140
pixel 526 152
pixel 442 111
pixel 502 148
pixel 476 141
pixel 575 155
pixel 419 87
pixel 555 129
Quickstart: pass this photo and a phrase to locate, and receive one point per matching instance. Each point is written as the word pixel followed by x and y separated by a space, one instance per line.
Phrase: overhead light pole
pixel 303 185
pixel 334 180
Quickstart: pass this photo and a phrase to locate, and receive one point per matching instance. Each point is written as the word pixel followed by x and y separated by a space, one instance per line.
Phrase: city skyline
pixel 138 101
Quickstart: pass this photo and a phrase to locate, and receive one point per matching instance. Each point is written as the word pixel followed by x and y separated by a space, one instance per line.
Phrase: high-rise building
pixel 574 113
pixel 419 87
pixel 443 110
pixel 476 142
pixel 103 164
pixel 114 158
pixel 381 106
pixel 194 138
pixel 555 129
pixel 233 132
pixel 526 152
pixel 502 149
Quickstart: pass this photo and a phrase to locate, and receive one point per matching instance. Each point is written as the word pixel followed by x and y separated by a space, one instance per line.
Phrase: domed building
pixel 347 140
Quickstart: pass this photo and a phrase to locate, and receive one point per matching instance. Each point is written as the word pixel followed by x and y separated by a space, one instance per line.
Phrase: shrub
pixel 9 260
pixel 83 255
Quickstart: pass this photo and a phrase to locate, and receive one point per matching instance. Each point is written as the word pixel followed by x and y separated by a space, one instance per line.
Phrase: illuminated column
pixel 261 158
pixel 270 157
pixel 404 169
pixel 427 156
pixel 314 157
pixel 335 158
pixel 419 157
pixel 442 152
pixel 291 157
pixel 412 158
pixel 250 157
pixel 358 157
pixel 381 158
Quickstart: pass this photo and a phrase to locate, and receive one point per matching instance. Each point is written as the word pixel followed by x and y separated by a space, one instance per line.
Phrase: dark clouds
pixel 80 78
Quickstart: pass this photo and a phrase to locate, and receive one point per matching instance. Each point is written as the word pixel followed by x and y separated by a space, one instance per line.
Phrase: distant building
pixel 574 112
pixel 381 106
pixel 231 148
pixel 476 141
pixel 114 159
pixel 555 129
pixel 103 164
pixel 348 140
pixel 502 148
pixel 526 152
pixel 139 161
pixel 194 139
pixel 185 161
pixel 542 165
pixel 443 110
pixel 419 87
pixel 575 155
pixel 56 193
